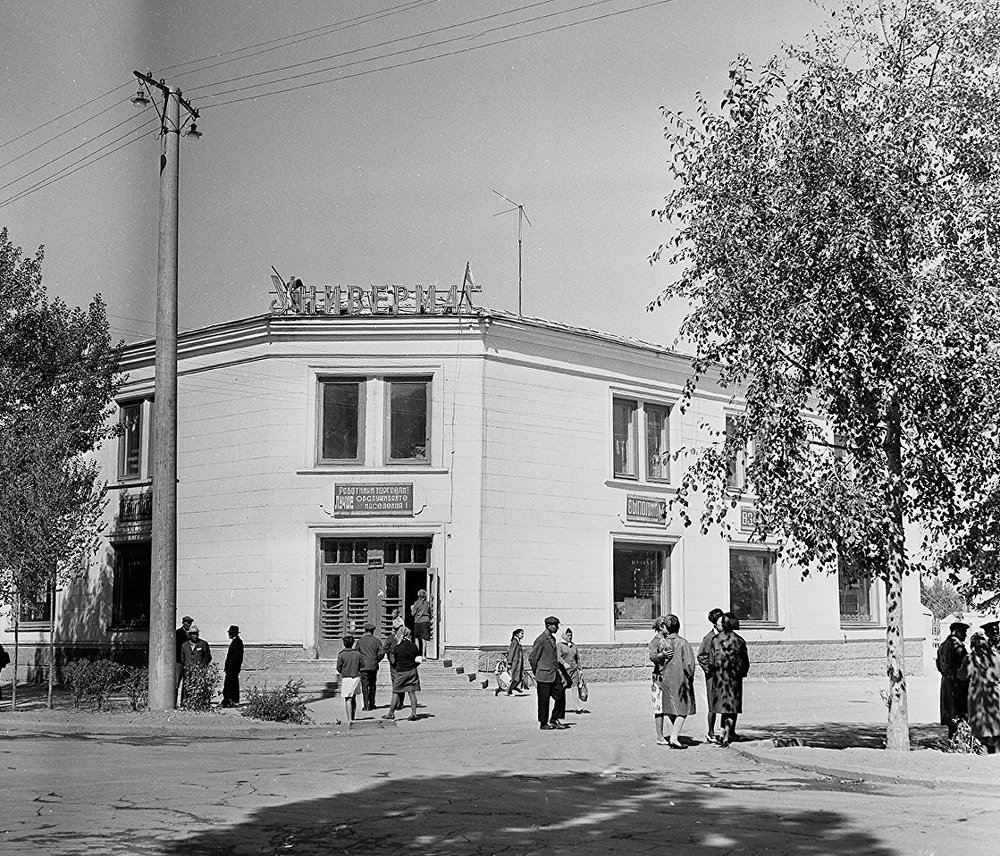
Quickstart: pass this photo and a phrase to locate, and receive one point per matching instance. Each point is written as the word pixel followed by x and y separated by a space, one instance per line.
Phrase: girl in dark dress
pixel 515 663
pixel 728 666
pixel 406 680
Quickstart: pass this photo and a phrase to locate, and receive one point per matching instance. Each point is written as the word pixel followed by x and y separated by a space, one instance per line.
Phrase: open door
pixel 432 649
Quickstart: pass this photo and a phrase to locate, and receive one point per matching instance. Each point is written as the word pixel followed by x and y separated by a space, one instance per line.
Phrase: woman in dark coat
pixel 515 663
pixel 715 619
pixel 406 679
pixel 677 677
pixel 728 665
pixel 984 692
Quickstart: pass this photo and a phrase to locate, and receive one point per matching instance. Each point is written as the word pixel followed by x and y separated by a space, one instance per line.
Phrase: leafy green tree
pixel 836 234
pixel 941 598
pixel 58 377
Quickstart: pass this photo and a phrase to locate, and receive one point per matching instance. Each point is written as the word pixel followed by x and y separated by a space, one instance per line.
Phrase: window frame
pixel 664 549
pixel 633 422
pixel 118 620
pixel 361 383
pixel 772 616
pixel 865 584
pixel 640 424
pixel 736 463
pixel 140 430
pixel 387 382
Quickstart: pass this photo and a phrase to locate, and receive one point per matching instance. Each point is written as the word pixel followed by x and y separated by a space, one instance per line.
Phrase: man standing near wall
pixel 371 652
pixel 234 662
pixel 182 637
pixel 544 660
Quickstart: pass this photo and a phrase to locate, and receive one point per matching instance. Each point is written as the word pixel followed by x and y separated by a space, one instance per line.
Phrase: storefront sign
pixel 748 518
pixel 296 298
pixel 373 500
pixel 643 509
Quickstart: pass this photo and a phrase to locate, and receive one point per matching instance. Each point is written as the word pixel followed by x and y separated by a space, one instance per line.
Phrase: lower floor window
pixel 752 585
pixel 130 596
pixel 37 609
pixel 641 584
pixel 856 601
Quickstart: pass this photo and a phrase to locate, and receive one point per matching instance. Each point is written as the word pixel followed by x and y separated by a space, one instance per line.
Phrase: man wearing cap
pixel 371 652
pixel 182 637
pixel 234 662
pixel 544 660
pixel 992 631
pixel 953 664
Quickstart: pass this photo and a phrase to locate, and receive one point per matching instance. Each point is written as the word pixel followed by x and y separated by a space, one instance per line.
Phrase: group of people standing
pixel 724 660
pixel 194 652
pixel 970 681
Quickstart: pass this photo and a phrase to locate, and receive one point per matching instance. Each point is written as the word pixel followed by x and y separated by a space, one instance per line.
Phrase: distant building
pixel 331 465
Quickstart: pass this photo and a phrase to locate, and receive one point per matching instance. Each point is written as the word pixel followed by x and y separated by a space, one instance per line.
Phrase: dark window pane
pixel 357 585
pixel 130 592
pixel 657 442
pixel 340 421
pixel 333 587
pixel 360 552
pixel 130 441
pixel 624 441
pixel 641 588
pixel 37 607
pixel 420 553
pixel 390 552
pixel 752 586
pixel 345 552
pixel 408 420
pixel 392 585
pixel 329 548
pixel 405 552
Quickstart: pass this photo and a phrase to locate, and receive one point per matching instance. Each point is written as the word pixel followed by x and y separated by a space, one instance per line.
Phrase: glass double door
pixel 373 580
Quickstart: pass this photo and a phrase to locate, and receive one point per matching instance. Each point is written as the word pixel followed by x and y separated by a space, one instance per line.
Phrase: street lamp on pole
pixel 163 566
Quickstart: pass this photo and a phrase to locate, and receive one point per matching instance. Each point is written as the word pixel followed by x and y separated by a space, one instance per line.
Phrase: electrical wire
pixel 67 170
pixel 420 60
pixel 305 35
pixel 372 47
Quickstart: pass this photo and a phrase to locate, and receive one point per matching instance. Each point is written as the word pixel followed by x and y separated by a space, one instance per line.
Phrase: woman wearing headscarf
pixel 515 663
pixel 391 641
pixel 677 679
pixel 660 654
pixel 728 665
pixel 984 691
pixel 569 653
pixel 406 679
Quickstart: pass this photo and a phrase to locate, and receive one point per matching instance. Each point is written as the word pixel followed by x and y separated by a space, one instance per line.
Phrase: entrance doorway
pixel 369 579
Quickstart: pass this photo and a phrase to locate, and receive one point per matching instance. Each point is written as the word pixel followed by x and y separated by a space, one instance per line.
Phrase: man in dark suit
pixel 371 651
pixel 544 660
pixel 234 662
pixel 182 637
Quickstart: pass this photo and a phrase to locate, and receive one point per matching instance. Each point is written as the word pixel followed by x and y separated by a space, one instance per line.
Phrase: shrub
pixel 281 705
pixel 965 742
pixel 94 680
pixel 200 684
pixel 135 685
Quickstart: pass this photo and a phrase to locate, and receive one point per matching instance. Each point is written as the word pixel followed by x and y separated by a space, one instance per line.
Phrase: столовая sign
pixel 373 500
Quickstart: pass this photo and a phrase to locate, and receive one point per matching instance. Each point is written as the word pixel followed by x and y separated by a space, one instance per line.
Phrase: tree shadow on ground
pixel 847 735
pixel 489 813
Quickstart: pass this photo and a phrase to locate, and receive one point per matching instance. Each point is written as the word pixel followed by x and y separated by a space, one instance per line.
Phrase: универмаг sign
pixel 373 500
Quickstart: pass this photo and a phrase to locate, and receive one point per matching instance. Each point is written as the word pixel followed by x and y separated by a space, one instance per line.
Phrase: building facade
pixel 332 465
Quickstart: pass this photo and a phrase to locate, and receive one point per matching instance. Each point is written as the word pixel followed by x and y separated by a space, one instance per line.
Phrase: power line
pixel 371 47
pixel 420 60
pixel 67 113
pixel 305 35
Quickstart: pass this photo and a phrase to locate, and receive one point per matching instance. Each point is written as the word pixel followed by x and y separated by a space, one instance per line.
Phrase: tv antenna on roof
pixel 521 217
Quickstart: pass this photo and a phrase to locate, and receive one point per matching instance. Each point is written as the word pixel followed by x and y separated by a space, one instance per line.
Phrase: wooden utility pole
pixel 163 568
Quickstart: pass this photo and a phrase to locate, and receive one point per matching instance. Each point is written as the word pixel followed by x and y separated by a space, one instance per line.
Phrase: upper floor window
pixel 736 466
pixel 130 441
pixel 753 589
pixel 627 417
pixel 409 419
pixel 343 420
pixel 351 408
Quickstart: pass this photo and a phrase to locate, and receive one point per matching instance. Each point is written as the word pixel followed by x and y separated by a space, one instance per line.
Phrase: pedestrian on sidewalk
pixel 984 692
pixel 349 668
pixel 420 609
pixel 372 652
pixel 234 662
pixel 515 664
pixel 549 680
pixel 677 680
pixel 195 653
pixel 953 664
pixel 660 653
pixel 181 635
pixel 391 641
pixel 406 680
pixel 569 655
pixel 4 662
pixel 714 619
pixel 729 664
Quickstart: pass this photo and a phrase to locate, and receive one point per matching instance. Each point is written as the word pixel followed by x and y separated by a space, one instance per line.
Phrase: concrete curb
pixel 858 774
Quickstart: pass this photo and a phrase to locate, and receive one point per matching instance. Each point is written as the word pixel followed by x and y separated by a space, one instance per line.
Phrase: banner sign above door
pixel 373 500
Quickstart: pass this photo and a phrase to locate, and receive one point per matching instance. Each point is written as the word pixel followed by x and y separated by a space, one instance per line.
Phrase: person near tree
pixel 953 664
pixel 715 619
pixel 234 662
pixel 195 653
pixel 181 635
pixel 728 665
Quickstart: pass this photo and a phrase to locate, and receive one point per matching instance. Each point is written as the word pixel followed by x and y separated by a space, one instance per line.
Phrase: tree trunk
pixel 52 641
pixel 898 729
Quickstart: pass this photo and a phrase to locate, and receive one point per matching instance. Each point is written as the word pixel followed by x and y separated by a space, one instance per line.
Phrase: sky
pixel 386 176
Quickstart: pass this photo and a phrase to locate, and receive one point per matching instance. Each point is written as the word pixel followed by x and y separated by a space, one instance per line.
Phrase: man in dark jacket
pixel 234 662
pixel 544 660
pixel 182 637
pixel 953 664
pixel 371 652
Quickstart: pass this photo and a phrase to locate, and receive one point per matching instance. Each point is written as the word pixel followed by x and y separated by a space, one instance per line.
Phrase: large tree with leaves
pixel 836 230
pixel 58 377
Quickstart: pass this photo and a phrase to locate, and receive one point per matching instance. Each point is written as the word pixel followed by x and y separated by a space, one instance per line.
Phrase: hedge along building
pixel 334 460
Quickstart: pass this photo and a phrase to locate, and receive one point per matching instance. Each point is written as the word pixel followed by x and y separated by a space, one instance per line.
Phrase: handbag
pixel 581 689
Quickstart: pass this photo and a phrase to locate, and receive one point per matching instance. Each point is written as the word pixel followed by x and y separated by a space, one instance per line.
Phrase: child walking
pixel 349 666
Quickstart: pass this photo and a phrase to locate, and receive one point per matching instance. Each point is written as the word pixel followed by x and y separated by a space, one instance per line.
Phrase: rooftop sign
pixel 296 298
